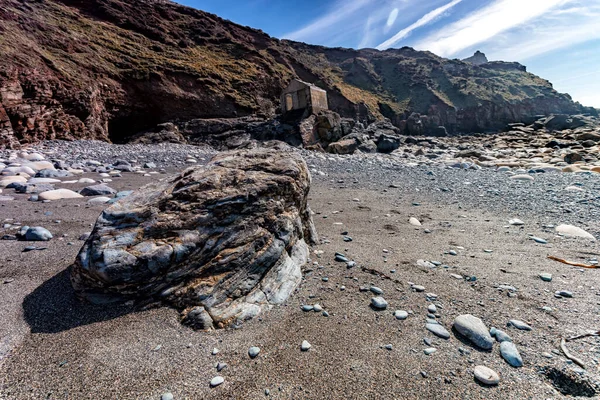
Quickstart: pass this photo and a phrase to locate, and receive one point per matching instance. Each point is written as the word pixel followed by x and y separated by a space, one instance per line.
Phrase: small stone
pixel 564 293
pixel 475 330
pixel 519 325
pixel 221 366
pixel 37 233
pixel 438 330
pixel 429 350
pixel 570 230
pixel 216 381
pixel 317 308
pixel 432 308
pixel 413 221
pixel 379 303
pixel 253 351
pixel 307 307
pixel 509 352
pixel 500 336
pixel 516 221
pixel 453 253
pixel 215 351
pixel 527 178
pixel 418 288
pixel 539 240
pixel 486 375
pixel 376 290
pixel 388 347
pixel 305 346
pixel 400 314
pixel 166 396
pixel 546 277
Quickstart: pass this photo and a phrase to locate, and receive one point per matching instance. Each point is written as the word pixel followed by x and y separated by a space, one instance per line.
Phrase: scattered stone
pixel 97 190
pixel 216 381
pixel 546 277
pixel 438 330
pixel 253 351
pixel 564 293
pixel 519 325
pixel 379 303
pixel 59 194
pixel 400 314
pixel 305 346
pixel 526 178
pixel 475 330
pixel 516 221
pixel 570 230
pixel 37 233
pixel 429 350
pixel 413 221
pixel 486 375
pixel 376 290
pixel 166 396
pixel 509 352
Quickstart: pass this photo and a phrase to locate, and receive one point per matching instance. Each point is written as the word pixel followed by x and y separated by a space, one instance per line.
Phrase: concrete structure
pixel 300 95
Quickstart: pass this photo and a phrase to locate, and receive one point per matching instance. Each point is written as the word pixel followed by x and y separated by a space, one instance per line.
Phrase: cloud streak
pixel 424 20
pixel 486 23
pixel 339 13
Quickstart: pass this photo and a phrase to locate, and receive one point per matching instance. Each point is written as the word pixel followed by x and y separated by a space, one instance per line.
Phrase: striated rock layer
pixel 219 242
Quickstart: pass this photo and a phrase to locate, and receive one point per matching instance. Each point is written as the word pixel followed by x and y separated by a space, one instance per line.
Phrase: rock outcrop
pixel 477 59
pixel 220 242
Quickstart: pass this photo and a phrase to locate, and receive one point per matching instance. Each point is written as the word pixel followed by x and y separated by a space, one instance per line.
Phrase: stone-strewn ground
pixel 54 347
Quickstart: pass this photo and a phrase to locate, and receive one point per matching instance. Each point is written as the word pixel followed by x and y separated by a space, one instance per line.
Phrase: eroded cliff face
pixel 108 69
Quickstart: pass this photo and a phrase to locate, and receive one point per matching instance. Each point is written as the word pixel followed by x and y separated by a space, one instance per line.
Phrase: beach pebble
pixel 486 375
pixel 305 346
pixel 438 330
pixel 37 233
pixel 570 230
pixel 475 330
pixel 400 314
pixel 429 350
pixel 519 325
pixel 376 290
pixel 166 396
pixel 379 303
pixel 216 381
pixel 509 352
pixel 253 351
pixel 413 221
pixel 564 293
pixel 546 277
pixel 58 194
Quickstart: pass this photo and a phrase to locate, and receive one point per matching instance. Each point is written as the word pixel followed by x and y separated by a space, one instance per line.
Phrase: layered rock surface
pixel 219 242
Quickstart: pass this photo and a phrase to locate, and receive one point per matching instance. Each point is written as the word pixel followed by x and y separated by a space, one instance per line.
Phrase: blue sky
pixel 556 39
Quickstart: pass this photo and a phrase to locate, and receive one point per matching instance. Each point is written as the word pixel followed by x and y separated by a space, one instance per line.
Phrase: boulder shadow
pixel 53 307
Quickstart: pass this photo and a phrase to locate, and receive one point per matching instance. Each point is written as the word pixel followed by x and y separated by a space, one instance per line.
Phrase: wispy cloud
pixel 426 19
pixel 484 24
pixel 341 11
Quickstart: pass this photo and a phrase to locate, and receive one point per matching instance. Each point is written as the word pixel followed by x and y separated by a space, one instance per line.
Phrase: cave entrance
pixel 120 129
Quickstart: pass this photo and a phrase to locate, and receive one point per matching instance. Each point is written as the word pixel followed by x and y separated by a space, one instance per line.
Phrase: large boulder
pixel 220 242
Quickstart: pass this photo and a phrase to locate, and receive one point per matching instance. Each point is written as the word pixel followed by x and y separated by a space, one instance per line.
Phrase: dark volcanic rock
pixel 219 242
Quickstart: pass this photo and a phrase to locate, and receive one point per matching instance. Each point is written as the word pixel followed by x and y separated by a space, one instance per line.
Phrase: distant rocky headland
pixel 113 70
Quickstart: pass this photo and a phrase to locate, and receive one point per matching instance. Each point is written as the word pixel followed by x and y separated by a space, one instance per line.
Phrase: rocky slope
pixel 108 69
